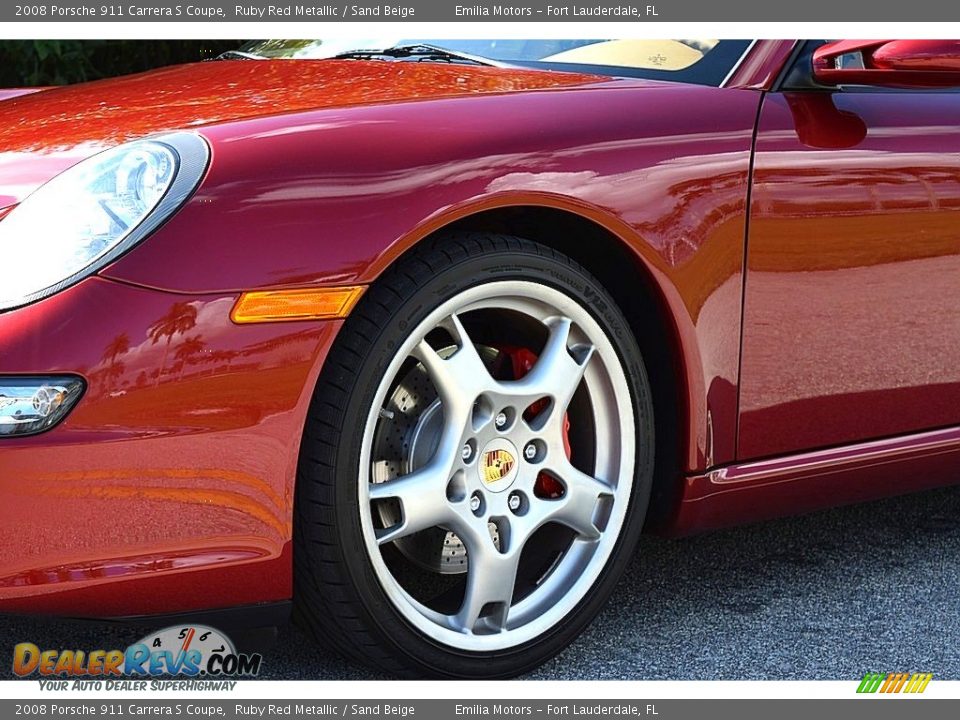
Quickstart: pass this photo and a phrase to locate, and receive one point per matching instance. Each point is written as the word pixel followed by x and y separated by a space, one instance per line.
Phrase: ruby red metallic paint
pixel 170 486
pixel 899 63
pixel 344 215
pixel 177 463
pixel 920 55
pixel 761 65
pixel 763 489
pixel 47 132
pixel 850 317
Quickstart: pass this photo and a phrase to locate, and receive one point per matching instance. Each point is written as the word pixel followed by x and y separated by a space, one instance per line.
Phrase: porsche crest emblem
pixel 497 464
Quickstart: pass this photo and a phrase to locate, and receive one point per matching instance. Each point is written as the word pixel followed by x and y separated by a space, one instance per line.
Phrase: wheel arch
pixel 605 246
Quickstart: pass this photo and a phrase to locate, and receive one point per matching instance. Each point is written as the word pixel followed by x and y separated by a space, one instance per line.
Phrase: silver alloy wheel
pixel 473 494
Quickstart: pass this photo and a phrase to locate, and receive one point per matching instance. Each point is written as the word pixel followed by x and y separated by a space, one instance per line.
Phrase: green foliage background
pixel 25 63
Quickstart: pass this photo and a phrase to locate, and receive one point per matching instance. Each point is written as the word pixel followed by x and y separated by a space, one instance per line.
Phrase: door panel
pixel 852 298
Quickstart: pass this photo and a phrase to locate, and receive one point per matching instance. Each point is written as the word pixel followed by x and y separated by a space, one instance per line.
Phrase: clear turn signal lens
pixel 29 405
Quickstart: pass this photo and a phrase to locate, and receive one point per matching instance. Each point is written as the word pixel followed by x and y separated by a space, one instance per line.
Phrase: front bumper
pixel 169 487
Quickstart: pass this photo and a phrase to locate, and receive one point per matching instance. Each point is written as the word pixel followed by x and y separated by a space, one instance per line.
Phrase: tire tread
pixel 327 603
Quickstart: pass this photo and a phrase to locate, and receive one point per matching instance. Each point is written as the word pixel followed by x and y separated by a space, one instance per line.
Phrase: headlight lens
pixel 93 212
pixel 31 405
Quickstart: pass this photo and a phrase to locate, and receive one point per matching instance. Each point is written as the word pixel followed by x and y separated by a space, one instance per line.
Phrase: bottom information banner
pixel 764 709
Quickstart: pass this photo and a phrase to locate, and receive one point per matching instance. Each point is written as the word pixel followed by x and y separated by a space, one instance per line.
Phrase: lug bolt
pixel 530 451
pixel 467 452
pixel 513 502
pixel 475 502
pixel 501 420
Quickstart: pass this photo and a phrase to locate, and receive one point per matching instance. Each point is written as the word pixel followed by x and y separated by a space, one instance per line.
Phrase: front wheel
pixel 476 465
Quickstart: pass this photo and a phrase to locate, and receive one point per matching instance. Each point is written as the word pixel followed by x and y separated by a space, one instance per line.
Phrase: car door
pixel 852 297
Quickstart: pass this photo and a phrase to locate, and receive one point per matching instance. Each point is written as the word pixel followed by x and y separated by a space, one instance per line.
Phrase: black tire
pixel 338 598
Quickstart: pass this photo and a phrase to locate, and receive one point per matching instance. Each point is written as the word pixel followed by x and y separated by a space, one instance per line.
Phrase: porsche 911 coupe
pixel 415 337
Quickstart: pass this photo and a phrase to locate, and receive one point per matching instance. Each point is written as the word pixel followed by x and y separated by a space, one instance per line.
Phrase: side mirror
pixel 890 63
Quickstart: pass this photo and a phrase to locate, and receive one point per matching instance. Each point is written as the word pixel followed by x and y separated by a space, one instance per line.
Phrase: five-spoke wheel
pixel 503 454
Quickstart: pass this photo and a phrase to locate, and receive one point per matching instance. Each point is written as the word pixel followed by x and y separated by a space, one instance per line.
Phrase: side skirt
pixel 764 489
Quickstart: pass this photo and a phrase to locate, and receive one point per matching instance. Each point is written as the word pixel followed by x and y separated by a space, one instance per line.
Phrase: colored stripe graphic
pixel 894 683
pixel 870 683
pixel 919 682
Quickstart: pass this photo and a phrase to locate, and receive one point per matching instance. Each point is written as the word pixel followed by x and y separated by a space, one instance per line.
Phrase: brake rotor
pixel 405 440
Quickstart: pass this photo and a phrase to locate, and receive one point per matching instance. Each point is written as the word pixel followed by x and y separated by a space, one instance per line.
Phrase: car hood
pixel 42 134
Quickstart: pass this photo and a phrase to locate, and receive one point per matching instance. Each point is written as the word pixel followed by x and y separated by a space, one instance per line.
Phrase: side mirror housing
pixel 889 63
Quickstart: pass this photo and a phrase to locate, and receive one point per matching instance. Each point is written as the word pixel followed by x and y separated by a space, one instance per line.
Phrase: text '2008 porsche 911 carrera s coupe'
pixel 419 335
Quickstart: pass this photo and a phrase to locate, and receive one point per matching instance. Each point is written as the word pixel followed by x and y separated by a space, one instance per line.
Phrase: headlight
pixel 92 213
pixel 29 405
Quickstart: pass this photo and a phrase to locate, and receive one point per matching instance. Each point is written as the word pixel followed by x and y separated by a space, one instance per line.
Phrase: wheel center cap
pixel 498 465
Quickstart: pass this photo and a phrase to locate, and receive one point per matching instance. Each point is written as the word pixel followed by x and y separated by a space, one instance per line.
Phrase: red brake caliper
pixel 522 361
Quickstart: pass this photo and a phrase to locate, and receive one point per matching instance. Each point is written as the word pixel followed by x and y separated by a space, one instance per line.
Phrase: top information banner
pixel 484 11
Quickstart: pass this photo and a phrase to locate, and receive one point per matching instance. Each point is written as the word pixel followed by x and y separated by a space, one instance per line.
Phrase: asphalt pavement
pixel 873 587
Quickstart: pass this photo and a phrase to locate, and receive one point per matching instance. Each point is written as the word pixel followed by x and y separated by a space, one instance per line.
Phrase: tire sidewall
pixel 536 264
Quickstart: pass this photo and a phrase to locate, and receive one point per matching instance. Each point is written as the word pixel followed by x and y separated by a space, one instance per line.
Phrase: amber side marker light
pixel 265 306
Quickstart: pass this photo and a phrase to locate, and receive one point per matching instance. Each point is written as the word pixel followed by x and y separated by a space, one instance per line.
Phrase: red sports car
pixel 420 336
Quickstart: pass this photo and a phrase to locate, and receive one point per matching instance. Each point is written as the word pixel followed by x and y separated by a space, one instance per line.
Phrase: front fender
pixel 334 196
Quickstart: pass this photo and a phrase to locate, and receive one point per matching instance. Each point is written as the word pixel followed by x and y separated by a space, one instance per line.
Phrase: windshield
pixel 703 61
